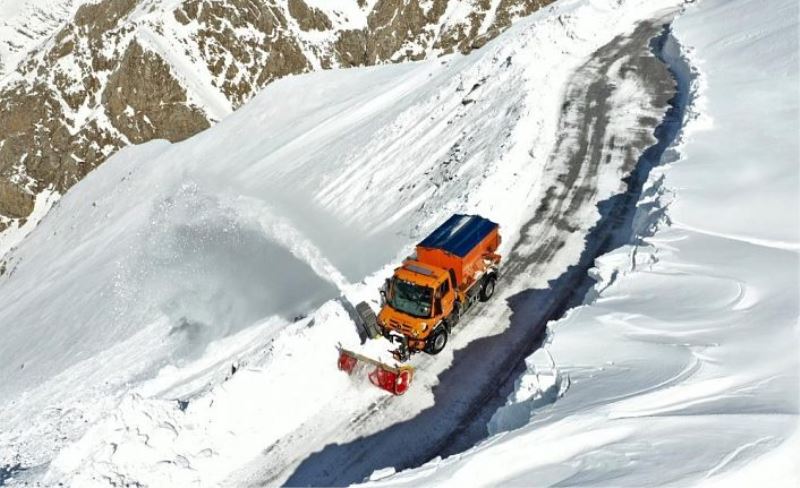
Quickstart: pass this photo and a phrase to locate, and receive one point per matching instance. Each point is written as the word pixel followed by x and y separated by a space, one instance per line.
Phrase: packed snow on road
pixel 173 320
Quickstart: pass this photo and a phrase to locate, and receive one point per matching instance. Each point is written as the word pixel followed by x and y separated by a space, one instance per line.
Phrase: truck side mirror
pixel 384 293
pixel 437 306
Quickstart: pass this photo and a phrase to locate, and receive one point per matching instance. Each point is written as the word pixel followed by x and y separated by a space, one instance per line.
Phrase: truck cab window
pixel 411 298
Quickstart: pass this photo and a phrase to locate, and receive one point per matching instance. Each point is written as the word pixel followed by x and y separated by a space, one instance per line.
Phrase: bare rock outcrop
pixel 309 18
pixel 143 100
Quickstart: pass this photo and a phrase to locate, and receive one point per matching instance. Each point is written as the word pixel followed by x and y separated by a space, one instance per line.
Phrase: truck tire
pixel 369 320
pixel 487 290
pixel 437 341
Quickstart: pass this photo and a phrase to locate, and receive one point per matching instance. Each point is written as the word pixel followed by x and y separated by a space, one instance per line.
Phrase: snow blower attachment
pixel 454 267
pixel 394 379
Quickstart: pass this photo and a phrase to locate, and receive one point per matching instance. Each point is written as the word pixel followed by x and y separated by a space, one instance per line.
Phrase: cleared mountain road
pixel 603 133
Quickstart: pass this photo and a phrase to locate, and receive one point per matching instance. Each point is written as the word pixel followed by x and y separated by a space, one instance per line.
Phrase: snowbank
pixel 684 368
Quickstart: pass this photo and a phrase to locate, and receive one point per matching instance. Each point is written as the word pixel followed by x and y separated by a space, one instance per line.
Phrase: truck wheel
pixel 437 341
pixel 369 319
pixel 487 290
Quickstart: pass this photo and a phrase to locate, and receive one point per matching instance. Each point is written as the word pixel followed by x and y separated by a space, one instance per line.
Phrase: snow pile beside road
pixel 684 369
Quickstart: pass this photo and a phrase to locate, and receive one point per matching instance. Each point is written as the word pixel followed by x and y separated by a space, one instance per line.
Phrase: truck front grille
pixel 405 329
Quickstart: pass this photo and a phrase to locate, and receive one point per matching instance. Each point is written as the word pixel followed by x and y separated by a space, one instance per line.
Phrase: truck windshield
pixel 410 298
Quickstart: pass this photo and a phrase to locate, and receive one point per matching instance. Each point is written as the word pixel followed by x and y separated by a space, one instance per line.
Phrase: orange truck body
pixel 466 268
pixel 449 272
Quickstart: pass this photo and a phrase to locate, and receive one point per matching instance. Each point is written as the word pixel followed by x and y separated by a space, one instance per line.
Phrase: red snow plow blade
pixel 394 379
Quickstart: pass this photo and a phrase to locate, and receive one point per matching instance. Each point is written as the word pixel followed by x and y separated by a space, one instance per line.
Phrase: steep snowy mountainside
pixel 81 79
pixel 170 263
pixel 253 218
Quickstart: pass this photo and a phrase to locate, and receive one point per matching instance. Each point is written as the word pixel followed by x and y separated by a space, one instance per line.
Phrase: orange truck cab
pixel 455 266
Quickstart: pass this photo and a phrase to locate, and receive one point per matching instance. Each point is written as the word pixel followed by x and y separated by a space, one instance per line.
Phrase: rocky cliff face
pixel 85 78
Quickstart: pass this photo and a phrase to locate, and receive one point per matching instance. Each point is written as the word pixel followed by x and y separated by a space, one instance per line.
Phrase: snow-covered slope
pixel 176 265
pixel 684 367
pixel 80 79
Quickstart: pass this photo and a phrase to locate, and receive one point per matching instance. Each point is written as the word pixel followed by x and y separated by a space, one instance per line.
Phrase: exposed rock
pixel 307 17
pixel 103 16
pixel 14 202
pixel 351 48
pixel 144 101
pixel 389 24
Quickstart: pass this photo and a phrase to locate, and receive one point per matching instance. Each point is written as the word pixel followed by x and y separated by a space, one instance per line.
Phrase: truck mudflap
pixel 394 379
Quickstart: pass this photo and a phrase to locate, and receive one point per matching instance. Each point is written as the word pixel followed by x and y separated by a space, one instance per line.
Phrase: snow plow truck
pixel 453 268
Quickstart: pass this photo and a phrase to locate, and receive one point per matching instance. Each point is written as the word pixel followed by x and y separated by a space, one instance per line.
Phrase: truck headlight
pixel 424 326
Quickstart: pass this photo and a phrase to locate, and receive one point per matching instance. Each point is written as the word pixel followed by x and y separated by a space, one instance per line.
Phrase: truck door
pixel 447 297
